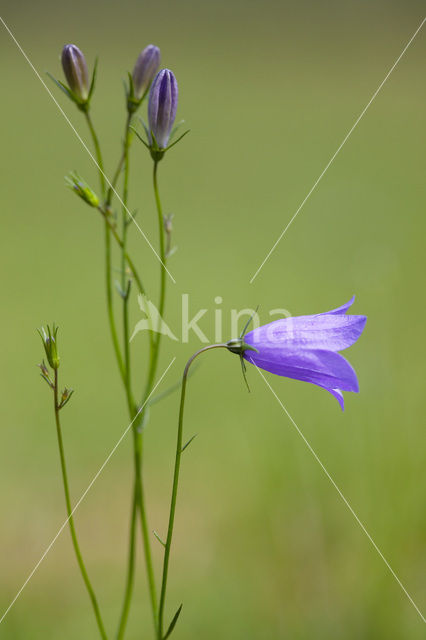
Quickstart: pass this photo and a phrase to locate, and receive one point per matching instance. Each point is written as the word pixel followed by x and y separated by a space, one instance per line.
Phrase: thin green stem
pixel 162 299
pixel 110 307
pixel 70 516
pixel 122 162
pixel 126 255
pixel 138 437
pixel 139 493
pixel 125 287
pixel 175 487
pixel 162 245
pixel 130 570
pixel 98 152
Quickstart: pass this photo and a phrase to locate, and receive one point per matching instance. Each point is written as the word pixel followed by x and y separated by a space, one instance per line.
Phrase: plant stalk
pixel 70 516
pixel 175 487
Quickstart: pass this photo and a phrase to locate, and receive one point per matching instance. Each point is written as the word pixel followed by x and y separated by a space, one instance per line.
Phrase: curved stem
pixel 175 485
pixel 70 516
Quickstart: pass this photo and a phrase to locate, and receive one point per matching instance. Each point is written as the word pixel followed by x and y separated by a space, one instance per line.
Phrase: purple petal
pixel 341 309
pixel 323 368
pixel 331 332
pixel 338 395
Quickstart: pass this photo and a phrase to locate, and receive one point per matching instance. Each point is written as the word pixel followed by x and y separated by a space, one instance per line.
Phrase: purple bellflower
pixel 144 70
pixel 162 106
pixel 306 348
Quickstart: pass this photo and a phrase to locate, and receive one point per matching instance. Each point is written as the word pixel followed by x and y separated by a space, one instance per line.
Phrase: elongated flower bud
pixel 75 70
pixel 48 338
pixel 82 189
pixel 144 70
pixel 162 106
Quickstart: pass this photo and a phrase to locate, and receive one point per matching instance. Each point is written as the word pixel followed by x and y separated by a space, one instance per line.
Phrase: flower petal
pixel 331 332
pixel 324 368
pixel 338 395
pixel 341 309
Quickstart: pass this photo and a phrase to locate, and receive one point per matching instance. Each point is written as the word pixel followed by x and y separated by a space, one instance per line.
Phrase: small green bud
pixel 48 338
pixel 45 374
pixel 82 189
pixel 65 397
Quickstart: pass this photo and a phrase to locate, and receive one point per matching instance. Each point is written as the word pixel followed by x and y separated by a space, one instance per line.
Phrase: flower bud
pixel 49 342
pixel 144 71
pixel 162 106
pixel 82 189
pixel 75 70
pixel 65 397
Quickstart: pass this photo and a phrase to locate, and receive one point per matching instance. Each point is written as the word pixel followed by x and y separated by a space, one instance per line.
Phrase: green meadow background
pixel 264 546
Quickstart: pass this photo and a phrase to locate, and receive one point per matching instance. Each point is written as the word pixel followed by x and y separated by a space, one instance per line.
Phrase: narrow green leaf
pixel 92 84
pixel 140 137
pixel 188 443
pixel 243 332
pixel 63 87
pixel 159 539
pixel 178 140
pixel 173 622
pixel 49 382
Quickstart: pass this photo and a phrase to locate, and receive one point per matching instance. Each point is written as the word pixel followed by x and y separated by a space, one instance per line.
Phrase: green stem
pixel 175 487
pixel 130 570
pixel 69 513
pixel 126 255
pixel 162 247
pixel 97 152
pixel 139 495
pixel 110 307
pixel 138 437
pixel 131 404
pixel 161 304
pixel 123 160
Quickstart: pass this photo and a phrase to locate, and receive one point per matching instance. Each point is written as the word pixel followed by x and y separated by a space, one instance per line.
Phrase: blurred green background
pixel 264 547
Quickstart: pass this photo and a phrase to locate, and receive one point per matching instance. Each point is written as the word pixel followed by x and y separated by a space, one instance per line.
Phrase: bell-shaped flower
pixel 307 348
